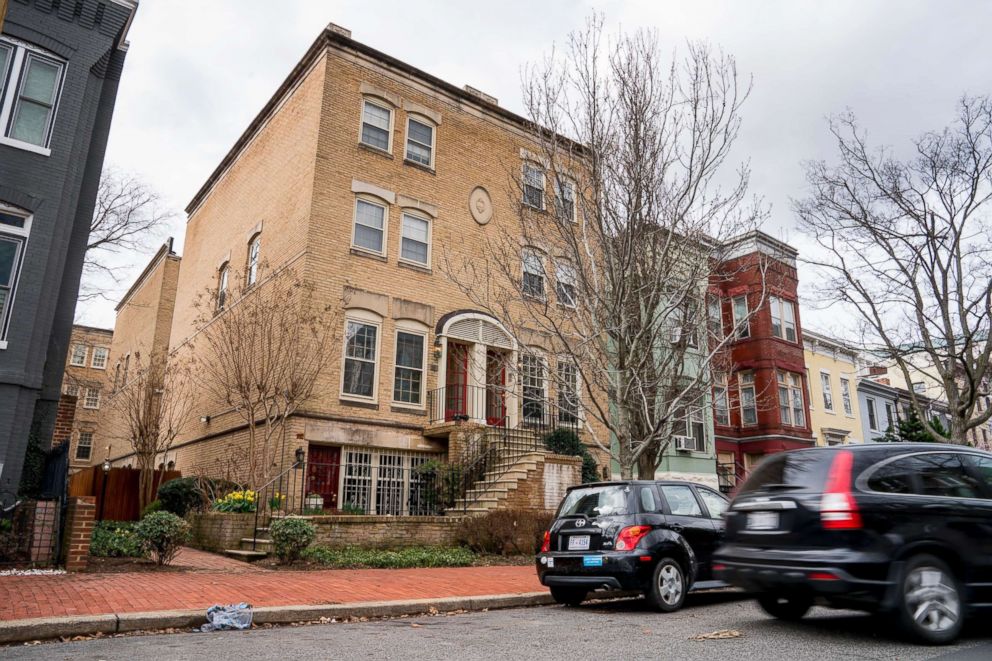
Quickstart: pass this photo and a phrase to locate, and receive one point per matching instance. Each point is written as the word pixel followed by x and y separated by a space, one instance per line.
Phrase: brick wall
pixel 65 415
pixel 385 532
pixel 219 531
pixel 79 522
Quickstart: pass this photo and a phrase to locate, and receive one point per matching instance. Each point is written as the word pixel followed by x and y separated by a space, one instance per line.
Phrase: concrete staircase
pixel 498 485
pixel 262 543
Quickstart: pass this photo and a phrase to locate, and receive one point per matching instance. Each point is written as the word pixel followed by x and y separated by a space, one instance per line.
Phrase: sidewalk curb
pixel 46 628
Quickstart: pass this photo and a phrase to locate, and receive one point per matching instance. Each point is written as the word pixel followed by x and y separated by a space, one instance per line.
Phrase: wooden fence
pixel 116 492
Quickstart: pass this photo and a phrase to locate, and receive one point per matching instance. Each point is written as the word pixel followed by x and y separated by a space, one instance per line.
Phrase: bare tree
pixel 128 218
pixel 906 246
pixel 262 348
pixel 619 234
pixel 152 409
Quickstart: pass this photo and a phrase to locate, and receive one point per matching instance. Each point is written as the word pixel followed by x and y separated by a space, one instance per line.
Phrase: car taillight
pixel 838 509
pixel 546 544
pixel 629 536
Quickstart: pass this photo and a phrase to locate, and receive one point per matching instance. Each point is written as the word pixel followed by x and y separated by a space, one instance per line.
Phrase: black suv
pixel 655 537
pixel 897 528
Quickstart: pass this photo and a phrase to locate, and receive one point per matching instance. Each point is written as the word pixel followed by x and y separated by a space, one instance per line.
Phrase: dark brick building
pixel 60 64
pixel 761 406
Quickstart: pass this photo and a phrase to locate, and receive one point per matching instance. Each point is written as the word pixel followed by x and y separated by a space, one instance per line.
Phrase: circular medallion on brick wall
pixel 481 205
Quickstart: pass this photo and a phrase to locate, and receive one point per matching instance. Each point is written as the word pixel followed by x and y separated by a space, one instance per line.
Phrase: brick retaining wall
pixel 219 531
pixel 340 531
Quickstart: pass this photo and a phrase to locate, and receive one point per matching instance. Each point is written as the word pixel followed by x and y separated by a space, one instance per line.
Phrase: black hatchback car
pixel 897 528
pixel 654 537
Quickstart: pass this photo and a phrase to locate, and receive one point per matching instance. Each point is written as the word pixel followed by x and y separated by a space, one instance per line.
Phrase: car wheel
pixel 930 608
pixel 789 607
pixel 568 596
pixel 668 588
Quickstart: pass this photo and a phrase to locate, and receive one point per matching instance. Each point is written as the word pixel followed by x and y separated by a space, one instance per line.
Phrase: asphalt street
pixel 623 629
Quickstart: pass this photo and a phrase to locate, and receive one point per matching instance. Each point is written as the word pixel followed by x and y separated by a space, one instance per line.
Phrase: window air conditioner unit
pixel 684 443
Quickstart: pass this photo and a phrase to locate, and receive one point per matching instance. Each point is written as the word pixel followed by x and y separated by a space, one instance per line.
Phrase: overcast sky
pixel 198 71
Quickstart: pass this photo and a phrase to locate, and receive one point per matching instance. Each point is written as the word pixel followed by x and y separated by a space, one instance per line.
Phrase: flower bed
pixel 410 557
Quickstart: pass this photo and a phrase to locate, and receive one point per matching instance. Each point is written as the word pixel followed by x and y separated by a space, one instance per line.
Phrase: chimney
pixel 878 370
pixel 337 29
pixel 482 96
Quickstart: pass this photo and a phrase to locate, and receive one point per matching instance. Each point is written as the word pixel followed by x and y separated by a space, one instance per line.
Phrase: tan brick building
pixel 85 389
pixel 362 173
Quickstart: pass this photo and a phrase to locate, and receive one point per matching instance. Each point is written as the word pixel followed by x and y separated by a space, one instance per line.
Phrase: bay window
pixel 742 324
pixel 790 399
pixel 749 404
pixel 783 318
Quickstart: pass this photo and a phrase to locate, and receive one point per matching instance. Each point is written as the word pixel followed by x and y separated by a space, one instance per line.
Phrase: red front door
pixel 323 470
pixel 456 381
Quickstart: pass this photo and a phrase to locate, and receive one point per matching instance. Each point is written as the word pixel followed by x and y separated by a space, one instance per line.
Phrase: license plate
pixel 578 543
pixel 762 520
pixel 592 561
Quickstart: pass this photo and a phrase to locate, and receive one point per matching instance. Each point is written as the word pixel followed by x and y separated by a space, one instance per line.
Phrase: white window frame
pixel 778 307
pixel 561 186
pixel 21 235
pixel 793 406
pixel 562 271
pixel 560 362
pixel 254 255
pixel 871 413
pixel 82 361
pixel 86 399
pixel 371 319
pixel 420 119
pixel 410 328
pixel 527 165
pixel 746 381
pixel 102 351
pixel 538 257
pixel 378 202
pixel 71 389
pixel 430 236
pixel 742 325
pixel 845 395
pixel 384 105
pixel 223 281
pixel 80 444
pixel 714 315
pixel 542 376
pixel 827 391
pixel 10 92
pixel 721 393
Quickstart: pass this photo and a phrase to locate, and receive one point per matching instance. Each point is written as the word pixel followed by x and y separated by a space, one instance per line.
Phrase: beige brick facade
pixel 87 381
pixel 293 181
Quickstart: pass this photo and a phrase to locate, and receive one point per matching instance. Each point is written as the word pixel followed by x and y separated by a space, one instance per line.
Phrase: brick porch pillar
pixel 79 521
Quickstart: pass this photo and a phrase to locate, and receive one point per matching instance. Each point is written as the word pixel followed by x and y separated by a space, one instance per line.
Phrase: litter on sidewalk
pixel 232 616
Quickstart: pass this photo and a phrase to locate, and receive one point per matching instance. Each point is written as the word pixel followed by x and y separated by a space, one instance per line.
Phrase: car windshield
pixel 788 471
pixel 593 502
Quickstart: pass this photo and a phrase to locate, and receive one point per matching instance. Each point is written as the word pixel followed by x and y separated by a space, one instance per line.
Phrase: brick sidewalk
pixel 93 594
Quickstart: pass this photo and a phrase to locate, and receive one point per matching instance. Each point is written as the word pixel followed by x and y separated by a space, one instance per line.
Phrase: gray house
pixel 883 406
pixel 60 64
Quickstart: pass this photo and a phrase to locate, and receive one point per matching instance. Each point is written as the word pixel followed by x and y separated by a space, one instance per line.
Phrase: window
pixel 389 485
pixel 680 500
pixel 828 395
pixel 714 316
pixel 84 446
pixel 360 356
pixel 715 503
pixel 648 503
pixel 14 229
pixel 872 421
pixel 358 480
pixel 79 352
pixel 790 399
pixel 721 404
pixel 565 200
pixel 71 389
pixel 742 324
pixel 749 405
pixel 783 318
pixel 845 394
pixel 370 226
pixel 376 123
pixel 408 380
pixel 92 398
pixel 415 241
pixel 690 425
pixel 534 393
pixel 682 326
pixel 568 392
pixel 99 360
pixel 533 279
pixel 29 90
pixel 888 415
pixel 565 284
pixel 943 474
pixel 420 142
pixel 533 186
pixel 919 387
pixel 221 294
pixel 254 249
pixel 893 477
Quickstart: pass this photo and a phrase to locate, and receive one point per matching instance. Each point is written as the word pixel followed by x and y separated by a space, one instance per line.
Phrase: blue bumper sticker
pixel 592 561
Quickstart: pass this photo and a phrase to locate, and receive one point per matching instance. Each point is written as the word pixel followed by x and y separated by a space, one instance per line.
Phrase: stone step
pixel 260 544
pixel 247 556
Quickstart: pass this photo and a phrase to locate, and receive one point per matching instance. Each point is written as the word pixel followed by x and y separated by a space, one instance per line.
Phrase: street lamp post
pixel 103 489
